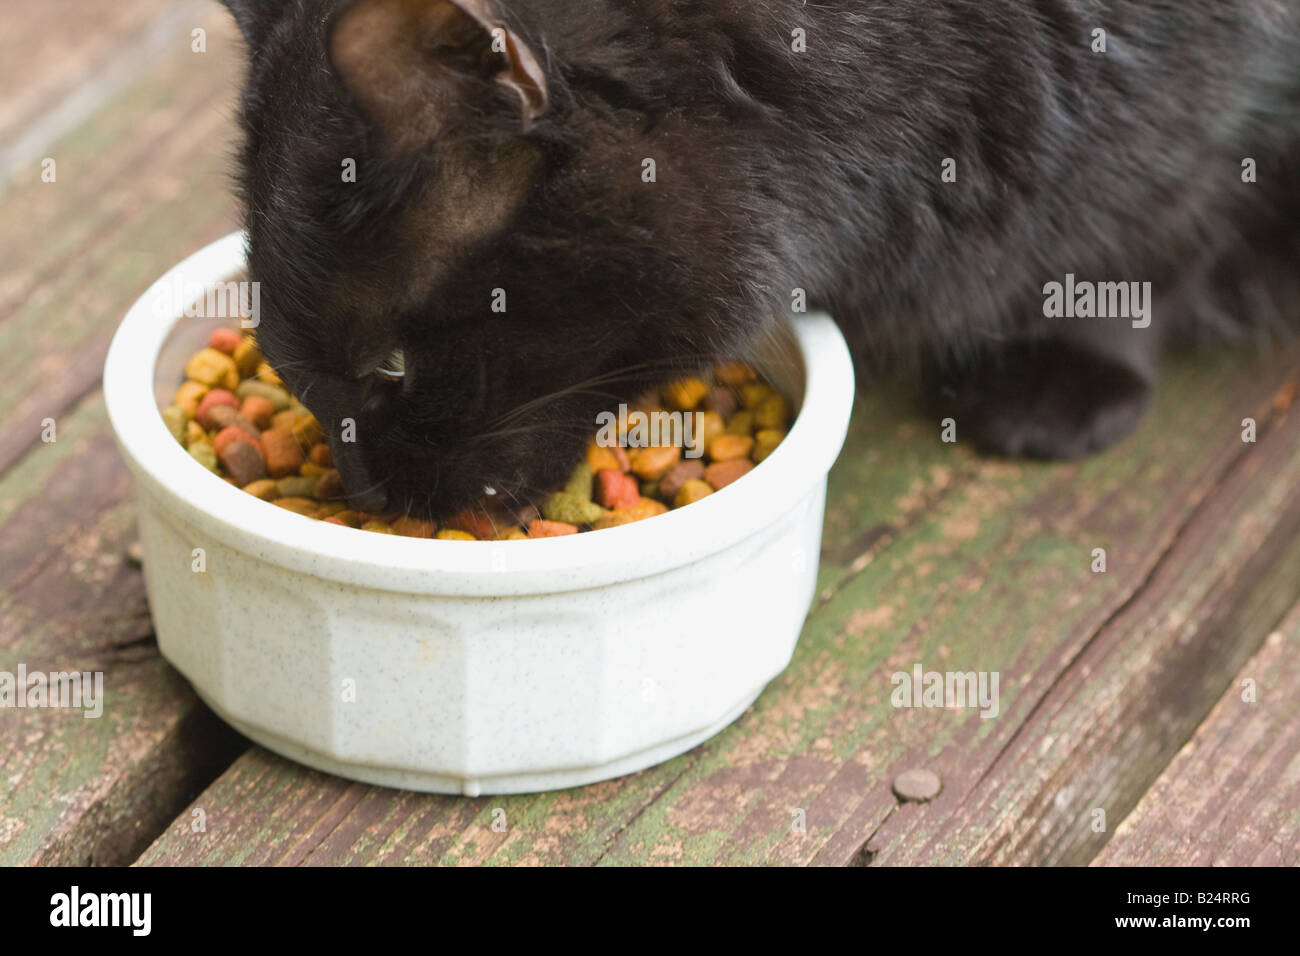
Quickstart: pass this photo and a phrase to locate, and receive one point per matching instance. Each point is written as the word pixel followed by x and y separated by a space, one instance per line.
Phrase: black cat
pixel 478 223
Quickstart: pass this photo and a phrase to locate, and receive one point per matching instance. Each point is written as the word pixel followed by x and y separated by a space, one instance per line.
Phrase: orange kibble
pixel 649 464
pixel 645 508
pixel 320 455
pixel 685 393
pixel 727 447
pixel 258 410
pixel 599 458
pixel 282 452
pixel 613 489
pixel 541 528
pixel 476 522
pixel 734 374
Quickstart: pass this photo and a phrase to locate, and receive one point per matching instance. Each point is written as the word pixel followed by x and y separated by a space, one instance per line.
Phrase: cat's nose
pixel 359 485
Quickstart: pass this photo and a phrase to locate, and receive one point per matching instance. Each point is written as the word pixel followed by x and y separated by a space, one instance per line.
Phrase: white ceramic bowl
pixel 473 667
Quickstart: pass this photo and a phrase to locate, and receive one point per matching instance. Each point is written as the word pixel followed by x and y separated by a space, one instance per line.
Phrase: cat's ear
pixel 254 17
pixel 411 63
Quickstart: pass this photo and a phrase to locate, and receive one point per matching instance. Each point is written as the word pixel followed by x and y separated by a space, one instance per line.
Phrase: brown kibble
pixel 651 463
pixel 215 397
pixel 321 455
pixel 685 394
pixel 734 374
pixel 264 488
pixel 214 369
pixel 330 508
pixel 283 452
pixel 678 475
pixel 301 506
pixel 414 527
pixel 308 470
pixel 722 473
pixel 347 517
pixel 329 486
pixel 691 492
pixel 189 395
pixel 242 461
pixel 258 410
pixel 727 447
pixel 541 528
pixel 722 401
pixel 233 434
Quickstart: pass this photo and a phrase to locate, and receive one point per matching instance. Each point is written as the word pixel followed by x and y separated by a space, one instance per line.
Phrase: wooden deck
pixel 1121 692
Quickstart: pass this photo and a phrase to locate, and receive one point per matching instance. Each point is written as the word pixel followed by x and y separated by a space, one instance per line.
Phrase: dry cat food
pixel 234 415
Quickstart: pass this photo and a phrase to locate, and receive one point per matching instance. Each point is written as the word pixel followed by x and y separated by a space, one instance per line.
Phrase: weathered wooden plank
pixel 990 572
pixel 60 59
pixel 1133 693
pixel 1232 795
pixel 139 184
pixel 73 789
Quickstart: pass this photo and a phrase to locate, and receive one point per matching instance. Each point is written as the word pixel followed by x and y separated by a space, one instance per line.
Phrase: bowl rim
pixel 164 470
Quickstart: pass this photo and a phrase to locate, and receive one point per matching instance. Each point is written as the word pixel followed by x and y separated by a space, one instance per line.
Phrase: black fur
pixel 776 170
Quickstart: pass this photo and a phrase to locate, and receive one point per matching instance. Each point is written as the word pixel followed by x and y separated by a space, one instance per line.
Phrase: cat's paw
pixel 1048 400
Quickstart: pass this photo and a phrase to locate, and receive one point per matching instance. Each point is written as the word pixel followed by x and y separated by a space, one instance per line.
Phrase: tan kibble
pixel 772 412
pixel 765 442
pixel 649 464
pixel 727 447
pixel 691 492
pixel 214 369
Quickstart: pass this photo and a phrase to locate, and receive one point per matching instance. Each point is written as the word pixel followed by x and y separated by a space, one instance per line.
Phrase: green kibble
pixel 579 484
pixel 278 397
pixel 296 487
pixel 204 454
pixel 571 508
pixel 176 418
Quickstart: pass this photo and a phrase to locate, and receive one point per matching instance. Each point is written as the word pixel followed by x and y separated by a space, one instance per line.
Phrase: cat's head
pixel 477 224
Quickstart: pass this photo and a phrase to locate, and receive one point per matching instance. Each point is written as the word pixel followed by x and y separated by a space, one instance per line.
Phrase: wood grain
pixel 1230 796
pixel 139 185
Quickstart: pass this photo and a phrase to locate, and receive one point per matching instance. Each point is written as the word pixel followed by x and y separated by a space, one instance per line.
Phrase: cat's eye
pixel 394 367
